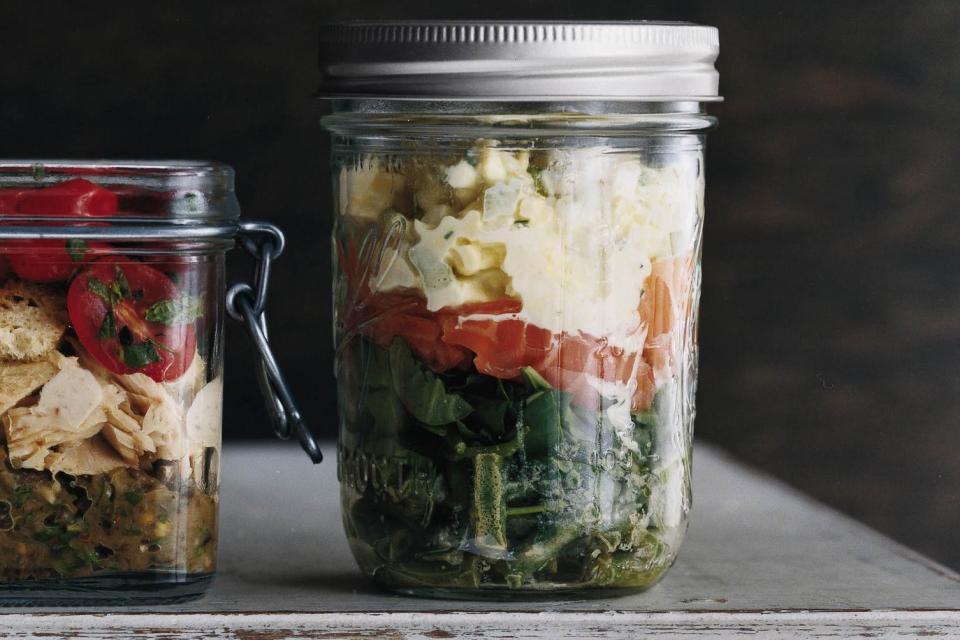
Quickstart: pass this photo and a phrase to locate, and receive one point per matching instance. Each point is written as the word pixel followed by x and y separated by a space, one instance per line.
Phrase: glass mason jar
pixel 111 377
pixel 518 218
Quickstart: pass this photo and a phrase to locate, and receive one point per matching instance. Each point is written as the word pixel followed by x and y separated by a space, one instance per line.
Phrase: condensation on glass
pixel 516 289
pixel 111 356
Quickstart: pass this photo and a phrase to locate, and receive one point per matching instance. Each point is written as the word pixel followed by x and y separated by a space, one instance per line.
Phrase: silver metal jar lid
pixel 519 61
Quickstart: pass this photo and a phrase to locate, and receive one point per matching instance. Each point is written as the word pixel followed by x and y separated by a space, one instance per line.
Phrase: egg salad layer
pixel 571 234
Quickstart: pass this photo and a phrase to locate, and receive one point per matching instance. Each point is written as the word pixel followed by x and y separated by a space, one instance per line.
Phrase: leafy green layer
pixel 462 480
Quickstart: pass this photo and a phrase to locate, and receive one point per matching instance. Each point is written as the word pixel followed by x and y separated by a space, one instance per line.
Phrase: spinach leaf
pixel 545 413
pixel 534 380
pixel 491 417
pixel 387 413
pixel 421 391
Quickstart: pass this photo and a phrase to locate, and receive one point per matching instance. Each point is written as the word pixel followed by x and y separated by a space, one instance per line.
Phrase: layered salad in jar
pixel 516 360
pixel 109 406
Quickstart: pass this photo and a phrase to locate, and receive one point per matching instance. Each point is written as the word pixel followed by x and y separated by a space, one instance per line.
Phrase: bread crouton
pixel 32 320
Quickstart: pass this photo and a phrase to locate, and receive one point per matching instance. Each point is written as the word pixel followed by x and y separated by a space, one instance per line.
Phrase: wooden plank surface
pixel 759 559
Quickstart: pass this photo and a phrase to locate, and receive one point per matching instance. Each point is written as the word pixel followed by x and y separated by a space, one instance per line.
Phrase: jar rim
pixel 155 191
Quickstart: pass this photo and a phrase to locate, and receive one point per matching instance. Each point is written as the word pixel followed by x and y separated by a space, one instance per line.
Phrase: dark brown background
pixel 831 315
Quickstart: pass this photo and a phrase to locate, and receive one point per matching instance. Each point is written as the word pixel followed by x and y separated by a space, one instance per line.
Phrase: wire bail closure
pixel 246 303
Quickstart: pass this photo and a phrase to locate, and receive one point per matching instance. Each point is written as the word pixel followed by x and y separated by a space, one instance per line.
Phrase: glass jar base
pixel 518 595
pixel 117 589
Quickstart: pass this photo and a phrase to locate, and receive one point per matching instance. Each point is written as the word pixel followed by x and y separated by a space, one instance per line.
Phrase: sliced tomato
pixel 51 260
pixel 502 345
pixel 580 361
pixel 118 307
pixel 56 260
pixel 386 316
pixel 76 197
pixel 10 200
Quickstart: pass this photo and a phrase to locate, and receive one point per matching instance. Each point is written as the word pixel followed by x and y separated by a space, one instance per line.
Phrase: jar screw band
pixel 247 303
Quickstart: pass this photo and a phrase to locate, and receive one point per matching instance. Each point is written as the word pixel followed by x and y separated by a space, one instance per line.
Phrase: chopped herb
pixel 172 312
pixel 133 497
pixel 472 157
pixel 138 356
pixel 522 223
pixel 448 235
pixel 39 172
pixel 77 249
pixel 120 285
pixel 108 328
pixel 98 288
pixel 111 293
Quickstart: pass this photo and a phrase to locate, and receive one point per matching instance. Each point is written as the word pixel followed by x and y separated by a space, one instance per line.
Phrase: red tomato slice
pixel 56 260
pixel 568 366
pixel 10 200
pixel 109 304
pixel 503 346
pixel 386 316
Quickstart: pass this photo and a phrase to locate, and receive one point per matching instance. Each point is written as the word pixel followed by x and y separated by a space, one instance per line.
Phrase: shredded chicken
pixel 86 419
pixel 91 456
pixel 66 411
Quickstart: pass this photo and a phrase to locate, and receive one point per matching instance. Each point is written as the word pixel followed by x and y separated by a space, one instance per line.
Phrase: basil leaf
pixel 182 310
pixel 138 356
pixel 421 391
pixel 100 289
pixel 77 249
pixel 120 285
pixel 108 328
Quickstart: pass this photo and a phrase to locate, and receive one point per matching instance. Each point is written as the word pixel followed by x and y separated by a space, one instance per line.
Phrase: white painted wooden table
pixel 759 560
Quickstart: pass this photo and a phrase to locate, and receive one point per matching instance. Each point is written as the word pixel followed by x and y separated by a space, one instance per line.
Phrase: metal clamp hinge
pixel 247 302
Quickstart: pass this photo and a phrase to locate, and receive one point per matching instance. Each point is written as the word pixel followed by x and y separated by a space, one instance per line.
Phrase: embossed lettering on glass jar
pixel 517 238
